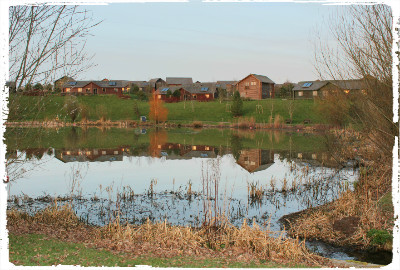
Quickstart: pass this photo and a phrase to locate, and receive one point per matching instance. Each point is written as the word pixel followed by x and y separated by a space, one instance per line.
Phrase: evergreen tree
pixel 237 106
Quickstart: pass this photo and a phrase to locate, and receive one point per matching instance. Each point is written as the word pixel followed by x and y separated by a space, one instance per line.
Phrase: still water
pixel 183 175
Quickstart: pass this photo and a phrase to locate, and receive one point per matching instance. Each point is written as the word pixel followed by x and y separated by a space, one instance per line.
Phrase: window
pixel 87 90
pixel 300 93
pixel 159 96
pixel 315 93
pixel 103 152
pixel 247 84
pixel 207 96
pixel 79 90
pixel 253 83
pixel 194 97
pixel 194 147
pixel 67 89
pixel 207 148
pixel 115 152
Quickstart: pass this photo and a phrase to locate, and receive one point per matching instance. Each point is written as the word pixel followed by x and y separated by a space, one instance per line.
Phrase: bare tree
pixel 47 41
pixel 363 39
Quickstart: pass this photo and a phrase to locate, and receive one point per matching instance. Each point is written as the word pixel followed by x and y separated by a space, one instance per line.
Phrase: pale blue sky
pixel 205 41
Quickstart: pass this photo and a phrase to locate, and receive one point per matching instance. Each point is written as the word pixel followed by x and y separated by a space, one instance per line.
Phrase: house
pixel 309 89
pixel 320 89
pixel 229 86
pixel 116 87
pixel 256 87
pixel 177 81
pixel 143 85
pixel 194 91
pixel 156 83
pixel 58 84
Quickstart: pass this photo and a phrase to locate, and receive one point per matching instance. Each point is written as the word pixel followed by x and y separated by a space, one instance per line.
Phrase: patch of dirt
pixel 346 225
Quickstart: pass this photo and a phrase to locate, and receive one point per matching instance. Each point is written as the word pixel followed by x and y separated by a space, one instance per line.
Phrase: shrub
pixel 142 95
pixel 237 106
pixel 379 237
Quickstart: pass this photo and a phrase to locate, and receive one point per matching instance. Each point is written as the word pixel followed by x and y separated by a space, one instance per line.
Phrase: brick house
pixel 254 160
pixel 256 87
pixel 229 86
pixel 104 87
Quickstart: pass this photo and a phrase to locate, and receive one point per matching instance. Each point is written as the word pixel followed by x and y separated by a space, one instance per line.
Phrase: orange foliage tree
pixel 158 112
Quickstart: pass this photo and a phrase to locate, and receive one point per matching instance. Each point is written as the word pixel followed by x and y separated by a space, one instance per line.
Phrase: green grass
pixel 34 250
pixel 27 108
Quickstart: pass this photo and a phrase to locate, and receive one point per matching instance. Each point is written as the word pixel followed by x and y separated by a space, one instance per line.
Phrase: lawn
pixel 35 250
pixel 27 108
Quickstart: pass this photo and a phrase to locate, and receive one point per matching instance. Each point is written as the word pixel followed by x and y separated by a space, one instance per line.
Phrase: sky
pixel 205 41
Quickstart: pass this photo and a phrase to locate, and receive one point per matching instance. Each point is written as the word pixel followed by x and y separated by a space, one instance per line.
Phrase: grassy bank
pixel 38 249
pixel 32 242
pixel 28 108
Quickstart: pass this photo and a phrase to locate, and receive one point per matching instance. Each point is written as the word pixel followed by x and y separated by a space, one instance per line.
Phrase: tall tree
pixel 363 49
pixel 47 41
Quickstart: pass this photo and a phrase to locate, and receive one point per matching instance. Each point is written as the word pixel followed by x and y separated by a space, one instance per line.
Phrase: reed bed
pixel 165 240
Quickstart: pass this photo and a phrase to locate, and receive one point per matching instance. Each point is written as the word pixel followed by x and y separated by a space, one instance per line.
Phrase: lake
pixel 186 176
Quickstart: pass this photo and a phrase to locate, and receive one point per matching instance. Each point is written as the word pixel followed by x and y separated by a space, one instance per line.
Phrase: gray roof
pixel 101 84
pixel 140 83
pixel 223 84
pixel 316 85
pixel 179 80
pixel 263 78
pixel 348 84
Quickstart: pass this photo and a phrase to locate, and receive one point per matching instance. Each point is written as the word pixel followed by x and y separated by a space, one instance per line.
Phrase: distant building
pixel 157 83
pixel 142 85
pixel 194 91
pixel 229 86
pixel 116 87
pixel 178 81
pixel 58 84
pixel 256 87
pixel 320 89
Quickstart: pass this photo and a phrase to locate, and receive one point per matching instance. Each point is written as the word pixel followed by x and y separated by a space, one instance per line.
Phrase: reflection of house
pixel 314 158
pixel 185 151
pixel 256 87
pixel 116 87
pixel 97 154
pixel 320 89
pixel 255 160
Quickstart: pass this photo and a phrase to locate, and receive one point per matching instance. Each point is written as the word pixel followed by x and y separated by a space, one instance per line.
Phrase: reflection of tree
pixel 72 139
pixel 157 139
pixel 236 146
pixel 158 112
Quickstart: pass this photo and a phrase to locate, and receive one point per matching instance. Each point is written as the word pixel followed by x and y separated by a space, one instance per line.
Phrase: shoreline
pixel 171 124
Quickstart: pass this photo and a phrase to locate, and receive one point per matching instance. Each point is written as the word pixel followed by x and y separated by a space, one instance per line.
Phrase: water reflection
pixel 186 176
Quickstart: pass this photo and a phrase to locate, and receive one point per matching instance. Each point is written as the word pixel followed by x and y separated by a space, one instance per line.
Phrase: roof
pixel 348 84
pixel 140 83
pixel 66 78
pixel 262 78
pixel 179 80
pixel 153 82
pixel 315 85
pixel 223 84
pixel 102 84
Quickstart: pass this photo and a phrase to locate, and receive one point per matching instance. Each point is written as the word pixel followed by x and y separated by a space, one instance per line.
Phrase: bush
pixel 142 95
pixel 379 237
pixel 237 106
